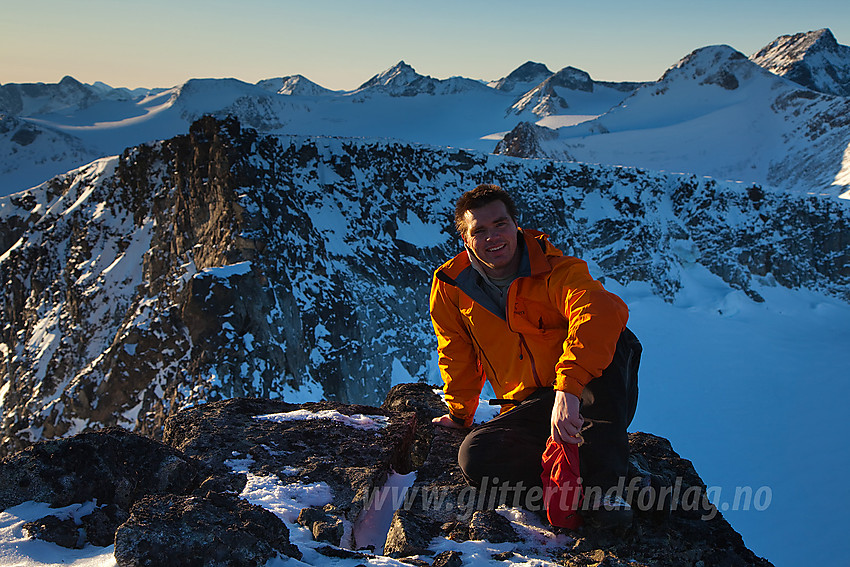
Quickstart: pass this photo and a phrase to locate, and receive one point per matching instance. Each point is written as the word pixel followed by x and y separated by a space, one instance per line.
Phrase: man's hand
pixel 566 421
pixel 447 421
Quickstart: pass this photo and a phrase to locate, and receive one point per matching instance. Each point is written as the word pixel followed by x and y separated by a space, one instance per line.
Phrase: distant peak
pixel 797 45
pixel 527 73
pixel 401 65
pixel 530 69
pixel 812 59
pixel 572 78
pixel 69 80
pixel 399 75
pixel 709 57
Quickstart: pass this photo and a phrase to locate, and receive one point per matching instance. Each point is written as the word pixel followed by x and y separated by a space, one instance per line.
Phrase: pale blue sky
pixel 342 43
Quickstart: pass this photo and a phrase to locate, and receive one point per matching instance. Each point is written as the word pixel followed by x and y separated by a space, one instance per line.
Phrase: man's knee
pixel 472 460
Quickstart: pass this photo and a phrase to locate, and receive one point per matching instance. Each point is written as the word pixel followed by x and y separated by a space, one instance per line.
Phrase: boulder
pixel 112 469
pixel 216 530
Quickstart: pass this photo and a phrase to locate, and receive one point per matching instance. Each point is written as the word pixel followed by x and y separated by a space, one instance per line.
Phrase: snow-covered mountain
pixel 86 122
pixel 293 85
pixel 814 60
pixel 403 80
pixel 66 96
pixel 572 91
pixel 715 113
pixel 523 78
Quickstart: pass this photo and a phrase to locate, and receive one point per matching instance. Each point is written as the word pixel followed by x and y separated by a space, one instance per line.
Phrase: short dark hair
pixel 482 195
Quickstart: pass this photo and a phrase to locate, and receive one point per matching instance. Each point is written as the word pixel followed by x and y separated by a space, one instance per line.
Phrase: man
pixel 512 309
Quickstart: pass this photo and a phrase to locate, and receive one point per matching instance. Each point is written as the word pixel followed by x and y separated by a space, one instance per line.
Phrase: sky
pixel 341 44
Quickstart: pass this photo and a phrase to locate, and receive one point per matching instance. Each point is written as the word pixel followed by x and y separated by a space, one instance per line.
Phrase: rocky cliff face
pixel 241 481
pixel 224 263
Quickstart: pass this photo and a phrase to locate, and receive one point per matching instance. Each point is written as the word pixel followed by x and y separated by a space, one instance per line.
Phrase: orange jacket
pixel 560 328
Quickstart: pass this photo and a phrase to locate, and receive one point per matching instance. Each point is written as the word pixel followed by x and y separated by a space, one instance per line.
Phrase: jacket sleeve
pixel 462 374
pixel 595 317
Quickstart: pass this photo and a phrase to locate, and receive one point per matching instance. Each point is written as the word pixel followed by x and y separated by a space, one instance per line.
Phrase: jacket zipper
pixel 522 344
pixel 481 353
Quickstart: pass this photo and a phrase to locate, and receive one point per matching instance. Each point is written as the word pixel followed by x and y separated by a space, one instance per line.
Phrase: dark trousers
pixel 508 448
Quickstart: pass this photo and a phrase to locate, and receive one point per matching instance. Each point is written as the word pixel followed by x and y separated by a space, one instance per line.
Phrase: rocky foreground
pixel 178 502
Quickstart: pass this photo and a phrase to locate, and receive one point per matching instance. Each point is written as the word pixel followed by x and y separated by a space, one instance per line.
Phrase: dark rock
pixel 455 531
pixel 491 526
pixel 97 527
pixel 352 462
pixel 420 398
pixel 101 524
pixel 173 521
pixel 221 530
pixel 323 525
pixel 409 534
pixel 439 489
pixel 524 140
pixel 114 468
pixel 338 553
pixel 329 530
pixel 503 556
pixel 722 78
pixel 448 559
pixel 65 533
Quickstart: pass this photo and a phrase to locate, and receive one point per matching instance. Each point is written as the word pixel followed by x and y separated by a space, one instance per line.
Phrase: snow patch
pixel 16 549
pixel 357 420
pixel 420 234
pixel 285 500
pixel 238 269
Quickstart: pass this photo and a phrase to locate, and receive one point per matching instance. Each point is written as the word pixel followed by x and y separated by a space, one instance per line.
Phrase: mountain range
pixel 769 119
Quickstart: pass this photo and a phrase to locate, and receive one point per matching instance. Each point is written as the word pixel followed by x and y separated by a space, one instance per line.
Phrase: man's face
pixel 491 234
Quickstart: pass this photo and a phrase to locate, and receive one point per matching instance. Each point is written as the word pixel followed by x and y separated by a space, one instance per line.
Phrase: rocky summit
pixel 242 481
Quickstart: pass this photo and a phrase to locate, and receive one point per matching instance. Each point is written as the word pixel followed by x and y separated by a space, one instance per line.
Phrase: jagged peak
pixel 402 80
pixel 813 59
pixel 399 74
pixel 796 46
pixel 527 73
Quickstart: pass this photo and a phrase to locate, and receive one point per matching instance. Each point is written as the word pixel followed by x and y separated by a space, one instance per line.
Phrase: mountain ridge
pixel 398 103
pixel 236 263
